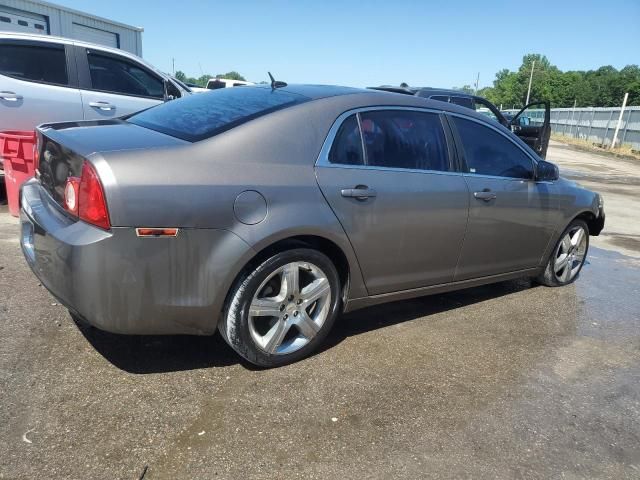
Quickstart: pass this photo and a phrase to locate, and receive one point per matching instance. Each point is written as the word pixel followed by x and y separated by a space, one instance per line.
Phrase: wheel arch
pixel 595 223
pixel 322 244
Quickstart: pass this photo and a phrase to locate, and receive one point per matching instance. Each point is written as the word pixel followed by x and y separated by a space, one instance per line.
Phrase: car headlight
pixel 600 201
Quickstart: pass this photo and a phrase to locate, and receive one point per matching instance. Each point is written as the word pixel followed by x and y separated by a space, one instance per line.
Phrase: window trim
pixel 86 83
pixel 70 67
pixel 323 157
pixel 462 154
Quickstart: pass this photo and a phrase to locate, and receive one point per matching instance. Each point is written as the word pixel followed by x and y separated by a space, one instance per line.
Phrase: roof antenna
pixel 276 83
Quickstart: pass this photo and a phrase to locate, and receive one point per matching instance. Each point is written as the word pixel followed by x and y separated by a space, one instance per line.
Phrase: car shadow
pixel 168 353
pixel 159 353
pixel 389 314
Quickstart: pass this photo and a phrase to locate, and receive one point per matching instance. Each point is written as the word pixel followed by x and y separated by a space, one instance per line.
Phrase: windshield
pixel 197 117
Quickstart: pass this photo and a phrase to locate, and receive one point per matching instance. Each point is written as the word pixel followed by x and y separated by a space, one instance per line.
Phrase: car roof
pixel 353 98
pixel 319 91
pixel 425 90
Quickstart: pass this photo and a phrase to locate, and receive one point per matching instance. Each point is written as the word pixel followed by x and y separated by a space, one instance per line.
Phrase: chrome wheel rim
pixel 289 308
pixel 570 254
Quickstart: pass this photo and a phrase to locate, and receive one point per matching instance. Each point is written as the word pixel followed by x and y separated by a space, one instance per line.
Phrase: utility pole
pixel 533 65
pixel 615 134
pixel 477 81
pixel 173 66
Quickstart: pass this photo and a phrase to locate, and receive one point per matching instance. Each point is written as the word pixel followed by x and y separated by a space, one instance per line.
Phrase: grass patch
pixel 625 151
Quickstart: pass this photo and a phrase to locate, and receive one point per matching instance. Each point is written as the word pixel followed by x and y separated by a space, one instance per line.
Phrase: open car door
pixel 533 125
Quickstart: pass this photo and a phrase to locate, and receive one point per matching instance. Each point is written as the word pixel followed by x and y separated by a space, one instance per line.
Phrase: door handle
pixel 11 96
pixel 486 195
pixel 360 192
pixel 102 105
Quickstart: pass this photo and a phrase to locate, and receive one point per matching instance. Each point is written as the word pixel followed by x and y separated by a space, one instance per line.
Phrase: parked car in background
pixel 195 88
pixel 216 83
pixel 267 231
pixel 535 135
pixel 51 79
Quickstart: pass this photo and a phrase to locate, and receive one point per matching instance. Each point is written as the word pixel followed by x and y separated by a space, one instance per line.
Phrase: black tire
pixel 548 277
pixel 234 325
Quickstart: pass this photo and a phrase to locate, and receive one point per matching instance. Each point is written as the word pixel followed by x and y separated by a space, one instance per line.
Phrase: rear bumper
pixel 122 283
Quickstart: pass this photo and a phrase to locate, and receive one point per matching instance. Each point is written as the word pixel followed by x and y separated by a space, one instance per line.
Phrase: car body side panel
pixel 37 102
pixel 410 234
pixel 123 283
pixel 573 200
pixel 510 232
pixel 203 194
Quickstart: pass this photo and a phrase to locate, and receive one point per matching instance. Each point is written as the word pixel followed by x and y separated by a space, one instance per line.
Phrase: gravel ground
pixel 510 380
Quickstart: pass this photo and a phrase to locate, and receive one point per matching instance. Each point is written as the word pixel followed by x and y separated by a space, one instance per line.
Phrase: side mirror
pixel 547 172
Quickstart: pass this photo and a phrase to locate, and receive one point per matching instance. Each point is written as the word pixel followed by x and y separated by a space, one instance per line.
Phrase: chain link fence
pixel 594 124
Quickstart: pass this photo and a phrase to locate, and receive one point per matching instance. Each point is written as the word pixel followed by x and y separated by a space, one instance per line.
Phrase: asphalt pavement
pixel 511 380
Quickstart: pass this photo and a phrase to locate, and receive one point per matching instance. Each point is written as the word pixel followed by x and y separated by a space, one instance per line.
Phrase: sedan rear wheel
pixel 568 256
pixel 280 311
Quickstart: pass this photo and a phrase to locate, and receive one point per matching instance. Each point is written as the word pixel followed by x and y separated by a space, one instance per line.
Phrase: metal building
pixel 36 16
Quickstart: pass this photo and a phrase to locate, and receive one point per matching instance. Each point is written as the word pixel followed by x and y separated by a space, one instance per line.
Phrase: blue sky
pixel 440 43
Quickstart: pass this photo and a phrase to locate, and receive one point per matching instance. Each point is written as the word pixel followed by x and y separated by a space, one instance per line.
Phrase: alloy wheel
pixel 570 254
pixel 289 308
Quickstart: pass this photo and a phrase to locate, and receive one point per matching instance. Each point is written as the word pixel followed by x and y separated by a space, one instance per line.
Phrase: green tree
pixel 203 79
pixel 466 89
pixel 180 75
pixel 603 87
pixel 232 75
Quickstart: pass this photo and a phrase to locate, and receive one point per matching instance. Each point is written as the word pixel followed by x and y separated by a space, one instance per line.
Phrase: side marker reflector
pixel 157 232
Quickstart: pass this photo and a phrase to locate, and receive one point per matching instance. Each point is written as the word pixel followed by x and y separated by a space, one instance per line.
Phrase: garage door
pixel 95 35
pixel 14 21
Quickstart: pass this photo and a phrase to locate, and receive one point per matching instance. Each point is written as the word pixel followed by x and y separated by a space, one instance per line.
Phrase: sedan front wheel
pixel 280 311
pixel 568 256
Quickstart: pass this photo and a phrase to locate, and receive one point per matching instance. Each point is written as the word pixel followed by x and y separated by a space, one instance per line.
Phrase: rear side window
pixel 45 64
pixel 216 84
pixel 347 146
pixel 489 153
pixel 440 98
pixel 404 139
pixel 196 117
pixel 114 75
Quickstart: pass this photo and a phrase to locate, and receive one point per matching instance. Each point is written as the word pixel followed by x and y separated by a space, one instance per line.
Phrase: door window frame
pixel 323 157
pixel 70 62
pixel 507 135
pixel 84 71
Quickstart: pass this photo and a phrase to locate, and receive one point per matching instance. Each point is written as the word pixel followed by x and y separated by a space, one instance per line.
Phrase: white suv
pixel 215 83
pixel 52 79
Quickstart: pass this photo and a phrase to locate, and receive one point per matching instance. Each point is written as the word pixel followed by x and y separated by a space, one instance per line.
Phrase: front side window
pixel 489 153
pixel 347 146
pixel 120 76
pixel 404 139
pixel 45 64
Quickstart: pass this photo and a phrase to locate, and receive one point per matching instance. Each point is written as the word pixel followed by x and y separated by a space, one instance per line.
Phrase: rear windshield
pixel 203 115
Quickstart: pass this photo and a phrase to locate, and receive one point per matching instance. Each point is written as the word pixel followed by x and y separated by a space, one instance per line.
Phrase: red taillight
pixel 91 205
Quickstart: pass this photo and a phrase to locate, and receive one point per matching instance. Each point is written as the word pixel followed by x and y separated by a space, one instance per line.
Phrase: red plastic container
pixel 19 164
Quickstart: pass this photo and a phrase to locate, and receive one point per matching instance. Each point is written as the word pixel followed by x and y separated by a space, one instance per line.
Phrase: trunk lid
pixel 63 148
